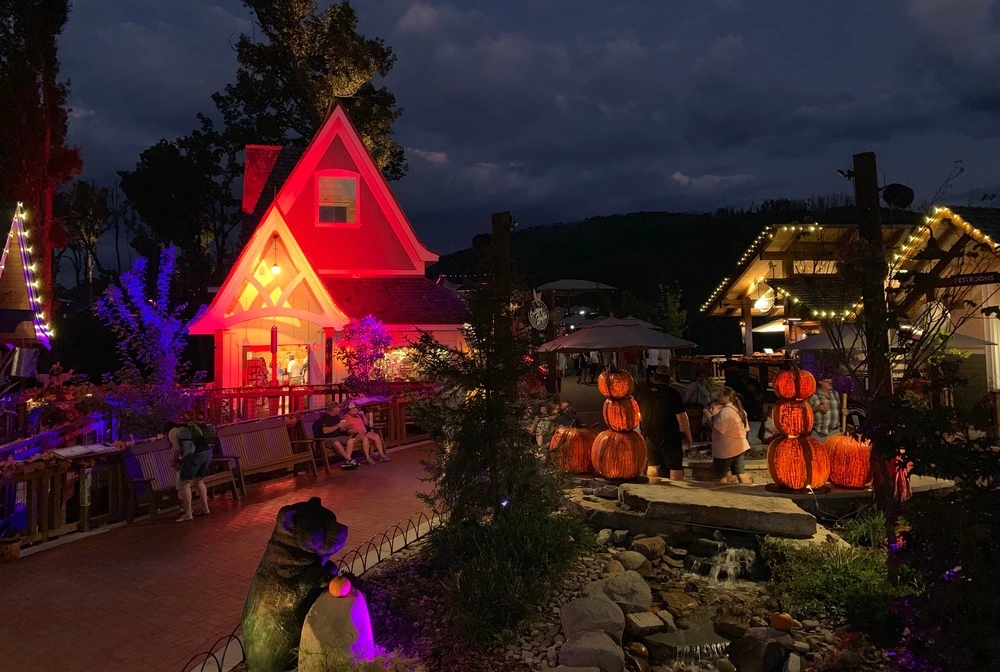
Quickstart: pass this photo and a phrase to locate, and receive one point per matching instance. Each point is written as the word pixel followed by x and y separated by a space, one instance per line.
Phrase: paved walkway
pixel 145 598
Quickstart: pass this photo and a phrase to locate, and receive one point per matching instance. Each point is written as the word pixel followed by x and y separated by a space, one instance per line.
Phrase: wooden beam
pixel 938 269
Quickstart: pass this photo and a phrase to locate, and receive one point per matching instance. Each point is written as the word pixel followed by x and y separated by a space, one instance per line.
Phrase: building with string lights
pixel 23 322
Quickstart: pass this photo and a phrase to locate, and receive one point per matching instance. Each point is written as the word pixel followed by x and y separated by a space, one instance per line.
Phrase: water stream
pixel 730 565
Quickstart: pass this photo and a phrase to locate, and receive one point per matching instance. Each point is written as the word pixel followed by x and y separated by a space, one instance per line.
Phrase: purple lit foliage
pixel 362 351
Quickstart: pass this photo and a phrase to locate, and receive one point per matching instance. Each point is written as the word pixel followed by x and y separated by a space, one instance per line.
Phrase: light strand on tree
pixel 43 331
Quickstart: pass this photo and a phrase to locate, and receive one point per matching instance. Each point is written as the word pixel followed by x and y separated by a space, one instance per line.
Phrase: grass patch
pixel 866 530
pixel 831 580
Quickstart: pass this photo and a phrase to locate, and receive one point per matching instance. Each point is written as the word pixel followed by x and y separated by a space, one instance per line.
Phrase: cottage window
pixel 338 200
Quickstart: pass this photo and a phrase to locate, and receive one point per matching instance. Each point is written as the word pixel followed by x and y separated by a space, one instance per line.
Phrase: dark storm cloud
pixel 559 109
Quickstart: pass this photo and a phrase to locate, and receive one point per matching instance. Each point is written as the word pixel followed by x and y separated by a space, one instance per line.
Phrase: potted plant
pixel 10 543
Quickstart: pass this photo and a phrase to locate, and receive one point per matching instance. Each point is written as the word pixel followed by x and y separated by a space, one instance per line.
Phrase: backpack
pixel 203 435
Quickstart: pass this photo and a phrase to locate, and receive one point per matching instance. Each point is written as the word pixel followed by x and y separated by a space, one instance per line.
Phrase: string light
pixel 43 331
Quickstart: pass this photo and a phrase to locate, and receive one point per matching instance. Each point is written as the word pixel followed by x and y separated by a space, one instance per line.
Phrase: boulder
pixel 604 536
pixel 335 628
pixel 593 649
pixel 643 623
pixel 619 537
pixel 706 548
pixel 651 547
pixel 614 568
pixel 629 591
pixel 592 614
pixel 632 560
pixel 678 603
pixel 761 650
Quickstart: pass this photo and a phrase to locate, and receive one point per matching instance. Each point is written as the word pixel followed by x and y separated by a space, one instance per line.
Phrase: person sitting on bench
pixel 356 427
pixel 331 429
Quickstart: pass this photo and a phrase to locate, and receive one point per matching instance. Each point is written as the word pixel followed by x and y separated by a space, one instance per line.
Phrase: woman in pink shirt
pixel 729 436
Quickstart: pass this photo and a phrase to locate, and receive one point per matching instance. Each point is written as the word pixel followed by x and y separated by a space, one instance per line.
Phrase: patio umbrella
pixel 774 327
pixel 852 339
pixel 618 335
pixel 574 286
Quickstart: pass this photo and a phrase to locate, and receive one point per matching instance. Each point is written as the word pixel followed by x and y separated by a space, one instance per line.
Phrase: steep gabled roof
pixel 22 321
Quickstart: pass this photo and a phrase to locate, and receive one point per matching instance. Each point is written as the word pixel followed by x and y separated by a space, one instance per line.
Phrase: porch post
pixel 747 316
pixel 328 355
pixel 219 358
pixel 992 334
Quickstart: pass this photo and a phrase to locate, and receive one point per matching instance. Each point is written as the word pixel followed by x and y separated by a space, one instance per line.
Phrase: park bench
pixel 304 429
pixel 149 466
pixel 261 446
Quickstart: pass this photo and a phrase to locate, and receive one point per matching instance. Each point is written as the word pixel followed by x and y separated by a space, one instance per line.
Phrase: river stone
pixel 668 620
pixel 761 650
pixel 664 647
pixel 629 591
pixel 593 649
pixel 678 603
pixel 614 568
pixel 619 537
pixel 651 547
pixel 335 627
pixel 794 664
pixel 632 560
pixel 706 548
pixel 642 623
pixel 723 665
pixel 597 614
pixel 563 668
pixel 604 536
pixel 687 503
pixel 810 625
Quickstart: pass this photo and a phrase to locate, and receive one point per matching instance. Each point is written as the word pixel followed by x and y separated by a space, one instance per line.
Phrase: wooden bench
pixel 149 466
pixel 260 446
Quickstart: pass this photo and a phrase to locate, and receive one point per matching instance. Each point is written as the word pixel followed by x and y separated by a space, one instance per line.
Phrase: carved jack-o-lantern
pixel 850 461
pixel 621 415
pixel 619 455
pixel 794 384
pixel 570 449
pixel 615 384
pixel 798 461
pixel 792 418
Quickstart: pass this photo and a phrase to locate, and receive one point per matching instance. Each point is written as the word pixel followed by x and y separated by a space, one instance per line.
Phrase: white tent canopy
pixel 616 334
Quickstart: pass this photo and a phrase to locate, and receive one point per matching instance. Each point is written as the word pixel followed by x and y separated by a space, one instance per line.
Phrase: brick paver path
pixel 145 598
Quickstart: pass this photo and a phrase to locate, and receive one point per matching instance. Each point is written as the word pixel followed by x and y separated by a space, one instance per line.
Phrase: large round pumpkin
pixel 792 418
pixel 619 455
pixel 850 461
pixel 615 384
pixel 798 461
pixel 794 384
pixel 570 449
pixel 621 415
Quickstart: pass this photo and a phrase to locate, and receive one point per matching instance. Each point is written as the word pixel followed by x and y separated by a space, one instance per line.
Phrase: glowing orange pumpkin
pixel 792 418
pixel 850 461
pixel 619 455
pixel 621 415
pixel 794 384
pixel 340 586
pixel 798 461
pixel 570 449
pixel 615 384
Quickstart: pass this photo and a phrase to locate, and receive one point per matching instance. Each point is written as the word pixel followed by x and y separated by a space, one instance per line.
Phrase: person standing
pixel 652 362
pixel 729 436
pixel 826 409
pixel 192 466
pixel 697 392
pixel 294 369
pixel 665 425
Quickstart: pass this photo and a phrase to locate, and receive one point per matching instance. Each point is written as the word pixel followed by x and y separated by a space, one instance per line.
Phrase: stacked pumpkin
pixel 795 459
pixel 619 452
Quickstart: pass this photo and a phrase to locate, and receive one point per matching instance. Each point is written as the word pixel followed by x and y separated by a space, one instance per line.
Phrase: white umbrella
pixel 614 334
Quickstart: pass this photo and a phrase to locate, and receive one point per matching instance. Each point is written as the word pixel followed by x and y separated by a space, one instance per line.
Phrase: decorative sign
pixel 968 279
pixel 538 315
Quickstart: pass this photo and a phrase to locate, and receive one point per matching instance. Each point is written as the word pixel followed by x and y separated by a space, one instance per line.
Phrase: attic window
pixel 338 200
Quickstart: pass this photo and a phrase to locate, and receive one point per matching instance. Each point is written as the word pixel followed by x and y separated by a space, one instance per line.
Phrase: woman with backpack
pixel 193 460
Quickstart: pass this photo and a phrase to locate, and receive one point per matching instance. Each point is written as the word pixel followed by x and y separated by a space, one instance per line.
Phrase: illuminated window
pixel 814 267
pixel 338 200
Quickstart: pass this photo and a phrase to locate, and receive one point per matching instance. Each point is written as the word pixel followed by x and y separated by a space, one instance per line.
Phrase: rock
pixel 592 649
pixel 782 621
pixel 632 560
pixel 651 547
pixel 668 620
pixel 629 591
pixel 705 548
pixel 801 647
pixel 335 627
pixel 731 626
pixel 563 668
pixel 758 622
pixel 643 623
pixel 607 492
pixel 592 614
pixel 810 625
pixel 794 664
pixel 614 568
pixel 590 498
pixel 760 650
pixel 664 647
pixel 676 552
pixel 638 649
pixel 723 665
pixel 588 491
pixel 678 603
pixel 676 563
pixel 686 503
pixel 604 536
pixel 619 537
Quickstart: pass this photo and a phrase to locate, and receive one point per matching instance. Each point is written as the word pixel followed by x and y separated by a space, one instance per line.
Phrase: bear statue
pixel 289 578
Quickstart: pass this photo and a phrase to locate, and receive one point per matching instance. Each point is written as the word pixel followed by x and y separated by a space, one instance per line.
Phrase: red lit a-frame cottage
pixel 330 244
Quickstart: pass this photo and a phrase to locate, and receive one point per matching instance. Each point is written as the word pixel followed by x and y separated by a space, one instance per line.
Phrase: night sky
pixel 562 109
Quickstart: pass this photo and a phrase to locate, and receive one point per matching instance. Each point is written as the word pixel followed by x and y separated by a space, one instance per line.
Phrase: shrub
pixel 838 581
pixel 866 530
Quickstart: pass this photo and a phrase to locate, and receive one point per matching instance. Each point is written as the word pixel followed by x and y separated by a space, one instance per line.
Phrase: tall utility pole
pixel 874 318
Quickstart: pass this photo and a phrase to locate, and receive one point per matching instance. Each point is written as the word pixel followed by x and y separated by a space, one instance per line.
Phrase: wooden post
pixel 328 355
pixel 747 316
pixel 552 359
pixel 218 358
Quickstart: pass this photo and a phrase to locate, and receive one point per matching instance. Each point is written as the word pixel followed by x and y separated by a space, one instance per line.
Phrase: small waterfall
pixel 732 564
pixel 702 653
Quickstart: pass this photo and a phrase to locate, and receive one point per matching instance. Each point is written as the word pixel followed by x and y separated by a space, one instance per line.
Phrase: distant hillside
pixel 640 250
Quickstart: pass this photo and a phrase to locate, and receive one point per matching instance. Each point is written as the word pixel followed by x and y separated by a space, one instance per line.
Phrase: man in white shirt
pixel 294 370
pixel 652 362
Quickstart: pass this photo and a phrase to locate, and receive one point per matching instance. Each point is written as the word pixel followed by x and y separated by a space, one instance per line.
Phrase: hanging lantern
pixel 792 418
pixel 619 456
pixel 798 461
pixel 621 415
pixel 850 461
pixel 570 449
pixel 794 384
pixel 615 384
